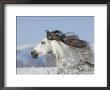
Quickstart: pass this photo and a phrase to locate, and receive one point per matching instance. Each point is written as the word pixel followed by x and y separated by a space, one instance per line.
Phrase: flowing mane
pixel 71 40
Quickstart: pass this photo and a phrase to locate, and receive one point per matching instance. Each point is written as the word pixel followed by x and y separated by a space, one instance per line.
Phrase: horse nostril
pixel 34 54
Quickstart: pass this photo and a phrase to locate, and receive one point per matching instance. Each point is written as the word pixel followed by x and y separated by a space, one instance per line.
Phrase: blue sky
pixel 31 29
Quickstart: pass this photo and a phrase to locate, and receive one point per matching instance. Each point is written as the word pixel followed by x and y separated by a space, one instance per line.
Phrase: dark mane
pixel 56 31
pixel 68 38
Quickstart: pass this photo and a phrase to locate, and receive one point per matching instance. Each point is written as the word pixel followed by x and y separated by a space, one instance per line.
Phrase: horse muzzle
pixel 34 54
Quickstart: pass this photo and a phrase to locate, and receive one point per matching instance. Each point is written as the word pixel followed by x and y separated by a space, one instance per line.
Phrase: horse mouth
pixel 35 57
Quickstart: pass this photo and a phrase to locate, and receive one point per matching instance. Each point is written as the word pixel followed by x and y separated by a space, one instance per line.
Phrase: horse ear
pixel 47 32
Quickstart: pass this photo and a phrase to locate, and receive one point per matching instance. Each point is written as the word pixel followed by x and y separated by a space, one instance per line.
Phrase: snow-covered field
pixel 38 70
pixel 49 70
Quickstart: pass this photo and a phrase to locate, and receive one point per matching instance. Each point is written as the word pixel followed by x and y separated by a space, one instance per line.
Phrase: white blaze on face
pixel 43 49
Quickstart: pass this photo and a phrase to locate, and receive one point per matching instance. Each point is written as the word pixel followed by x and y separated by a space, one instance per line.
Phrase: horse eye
pixel 42 42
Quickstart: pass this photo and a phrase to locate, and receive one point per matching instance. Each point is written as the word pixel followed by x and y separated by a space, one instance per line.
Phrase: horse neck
pixel 57 49
pixel 62 50
pixel 65 53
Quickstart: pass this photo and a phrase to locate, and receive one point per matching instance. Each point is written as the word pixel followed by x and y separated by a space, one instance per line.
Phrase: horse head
pixel 44 47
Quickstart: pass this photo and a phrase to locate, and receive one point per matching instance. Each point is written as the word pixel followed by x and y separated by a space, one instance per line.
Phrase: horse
pixel 70 59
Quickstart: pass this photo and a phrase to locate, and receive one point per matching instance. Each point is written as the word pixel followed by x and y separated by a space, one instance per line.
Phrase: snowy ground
pixel 53 70
pixel 34 70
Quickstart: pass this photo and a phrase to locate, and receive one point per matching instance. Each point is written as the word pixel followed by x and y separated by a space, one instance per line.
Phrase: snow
pixel 38 70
